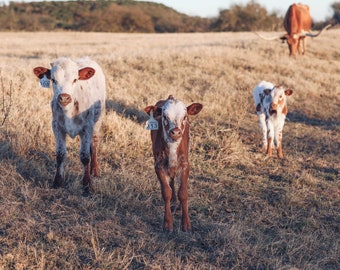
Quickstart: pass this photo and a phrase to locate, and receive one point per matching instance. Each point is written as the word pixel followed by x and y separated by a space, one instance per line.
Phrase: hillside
pixel 247 211
pixel 97 16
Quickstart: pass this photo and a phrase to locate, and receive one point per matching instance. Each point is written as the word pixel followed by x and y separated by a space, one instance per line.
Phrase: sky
pixel 319 9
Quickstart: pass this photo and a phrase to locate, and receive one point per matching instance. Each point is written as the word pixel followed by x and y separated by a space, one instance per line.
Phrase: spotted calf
pixel 271 108
pixel 77 106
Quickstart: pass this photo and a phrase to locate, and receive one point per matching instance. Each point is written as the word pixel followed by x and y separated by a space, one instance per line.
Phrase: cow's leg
pixel 94 162
pixel 263 126
pixel 299 41
pixel 270 134
pixel 304 45
pixel 85 146
pixel 183 197
pixel 167 195
pixel 60 138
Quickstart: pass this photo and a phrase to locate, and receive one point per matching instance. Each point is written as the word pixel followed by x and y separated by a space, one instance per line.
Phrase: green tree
pixel 336 10
pixel 249 17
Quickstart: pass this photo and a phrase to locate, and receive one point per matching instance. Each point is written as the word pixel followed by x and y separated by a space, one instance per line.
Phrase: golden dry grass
pixel 247 211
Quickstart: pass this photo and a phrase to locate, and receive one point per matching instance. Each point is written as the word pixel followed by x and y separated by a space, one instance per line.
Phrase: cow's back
pixel 297 19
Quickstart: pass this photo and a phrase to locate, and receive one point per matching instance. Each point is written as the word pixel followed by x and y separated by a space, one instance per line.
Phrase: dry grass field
pixel 247 211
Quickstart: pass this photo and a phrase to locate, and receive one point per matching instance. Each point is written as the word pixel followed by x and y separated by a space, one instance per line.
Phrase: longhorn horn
pixel 270 38
pixel 320 32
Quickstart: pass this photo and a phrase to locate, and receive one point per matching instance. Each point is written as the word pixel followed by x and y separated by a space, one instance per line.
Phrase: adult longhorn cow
pixel 297 22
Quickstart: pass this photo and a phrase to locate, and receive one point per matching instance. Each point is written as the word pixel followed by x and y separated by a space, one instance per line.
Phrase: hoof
pixel 88 190
pixel 186 227
pixel 168 228
pixel 188 230
pixel 57 183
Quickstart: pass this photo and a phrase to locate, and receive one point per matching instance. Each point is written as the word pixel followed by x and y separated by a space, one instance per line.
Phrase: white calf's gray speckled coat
pixel 78 106
pixel 271 108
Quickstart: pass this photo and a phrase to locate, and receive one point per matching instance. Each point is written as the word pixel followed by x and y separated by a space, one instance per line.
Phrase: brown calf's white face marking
pixel 174 117
pixel 174 123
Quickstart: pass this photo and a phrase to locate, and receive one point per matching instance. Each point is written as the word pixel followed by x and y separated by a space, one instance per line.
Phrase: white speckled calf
pixel 78 106
pixel 271 108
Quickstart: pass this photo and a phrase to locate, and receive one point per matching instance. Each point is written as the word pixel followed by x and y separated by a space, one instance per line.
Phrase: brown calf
pixel 170 146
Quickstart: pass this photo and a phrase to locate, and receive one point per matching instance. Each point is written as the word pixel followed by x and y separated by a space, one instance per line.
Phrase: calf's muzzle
pixel 64 99
pixel 273 106
pixel 175 133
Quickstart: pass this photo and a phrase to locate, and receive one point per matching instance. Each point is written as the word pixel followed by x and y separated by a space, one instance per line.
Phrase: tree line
pixel 137 17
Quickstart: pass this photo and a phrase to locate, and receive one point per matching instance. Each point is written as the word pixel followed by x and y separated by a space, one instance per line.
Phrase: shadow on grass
pixel 33 168
pixel 126 111
pixel 39 167
pixel 298 117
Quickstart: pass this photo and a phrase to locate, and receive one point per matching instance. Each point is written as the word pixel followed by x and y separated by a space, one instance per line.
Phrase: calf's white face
pixel 275 100
pixel 77 106
pixel 174 117
pixel 64 76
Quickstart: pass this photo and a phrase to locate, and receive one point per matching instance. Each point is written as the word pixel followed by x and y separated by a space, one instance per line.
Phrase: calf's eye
pixel 75 80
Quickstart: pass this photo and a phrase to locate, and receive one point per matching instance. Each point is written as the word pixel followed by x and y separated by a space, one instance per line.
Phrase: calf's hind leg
pixel 183 197
pixel 85 149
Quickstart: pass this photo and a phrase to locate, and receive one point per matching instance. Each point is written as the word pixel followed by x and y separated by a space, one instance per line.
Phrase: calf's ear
pixel 41 71
pixel 288 92
pixel 86 73
pixel 194 108
pixel 156 110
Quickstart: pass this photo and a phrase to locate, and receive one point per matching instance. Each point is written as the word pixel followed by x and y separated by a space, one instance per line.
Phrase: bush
pixel 246 18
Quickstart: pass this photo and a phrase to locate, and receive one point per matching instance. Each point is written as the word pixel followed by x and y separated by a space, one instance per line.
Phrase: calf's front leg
pixel 270 135
pixel 60 138
pixel 263 126
pixel 59 175
pixel 164 180
pixel 278 140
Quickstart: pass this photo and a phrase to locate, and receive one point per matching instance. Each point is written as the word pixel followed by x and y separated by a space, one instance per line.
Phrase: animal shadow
pixel 126 111
pixel 298 117
pixel 34 168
